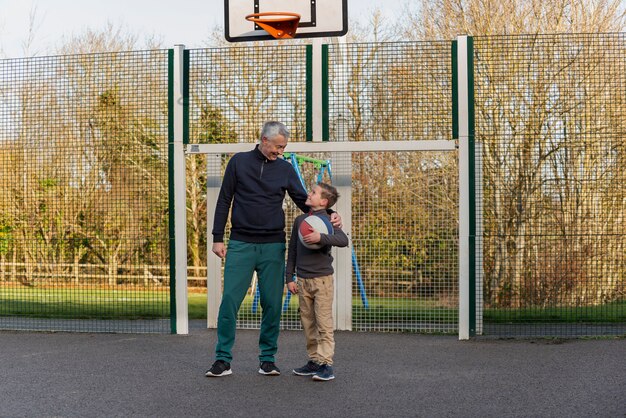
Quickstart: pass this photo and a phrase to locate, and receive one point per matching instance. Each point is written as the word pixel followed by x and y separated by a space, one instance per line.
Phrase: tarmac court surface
pixel 377 375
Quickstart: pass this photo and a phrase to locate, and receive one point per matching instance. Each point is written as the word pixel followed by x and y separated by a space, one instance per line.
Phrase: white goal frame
pixel 341 152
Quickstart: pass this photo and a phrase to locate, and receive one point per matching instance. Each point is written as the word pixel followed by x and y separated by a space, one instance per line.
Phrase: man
pixel 255 183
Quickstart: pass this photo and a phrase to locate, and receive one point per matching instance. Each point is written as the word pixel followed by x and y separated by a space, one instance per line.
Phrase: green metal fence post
pixel 170 186
pixel 325 94
pixel 472 186
pixel 315 91
pixel 309 92
pixel 455 91
pixel 178 87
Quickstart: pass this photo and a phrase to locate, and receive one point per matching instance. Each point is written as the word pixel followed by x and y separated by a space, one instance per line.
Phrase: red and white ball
pixel 312 223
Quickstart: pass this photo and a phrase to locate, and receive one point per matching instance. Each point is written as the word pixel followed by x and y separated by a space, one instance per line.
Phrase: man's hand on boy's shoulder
pixel 335 220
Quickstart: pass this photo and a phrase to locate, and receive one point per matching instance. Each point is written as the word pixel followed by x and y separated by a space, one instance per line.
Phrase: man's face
pixel 274 147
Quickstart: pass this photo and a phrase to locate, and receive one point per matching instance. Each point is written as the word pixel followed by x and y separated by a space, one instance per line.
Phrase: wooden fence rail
pixel 76 273
pixel 380 282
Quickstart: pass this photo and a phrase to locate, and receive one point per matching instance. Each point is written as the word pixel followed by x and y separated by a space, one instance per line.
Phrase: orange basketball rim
pixel 278 24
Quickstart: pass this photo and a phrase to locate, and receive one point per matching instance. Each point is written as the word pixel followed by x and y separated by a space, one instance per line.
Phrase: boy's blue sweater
pixel 256 188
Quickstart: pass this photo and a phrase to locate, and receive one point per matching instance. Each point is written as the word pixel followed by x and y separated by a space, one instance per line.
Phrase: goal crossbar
pixel 342 146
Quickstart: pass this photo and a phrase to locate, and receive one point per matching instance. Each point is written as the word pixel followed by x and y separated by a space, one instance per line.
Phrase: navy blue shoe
pixel 324 373
pixel 308 369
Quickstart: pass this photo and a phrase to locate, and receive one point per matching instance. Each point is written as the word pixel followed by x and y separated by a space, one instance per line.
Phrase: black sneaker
pixel 220 368
pixel 308 369
pixel 325 372
pixel 268 368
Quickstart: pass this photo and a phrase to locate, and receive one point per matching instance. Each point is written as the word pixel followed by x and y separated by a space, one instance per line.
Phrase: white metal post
pixel 214 263
pixel 464 221
pixel 180 206
pixel 342 180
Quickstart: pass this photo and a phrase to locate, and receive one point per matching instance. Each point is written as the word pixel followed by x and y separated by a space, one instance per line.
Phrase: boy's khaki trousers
pixel 316 313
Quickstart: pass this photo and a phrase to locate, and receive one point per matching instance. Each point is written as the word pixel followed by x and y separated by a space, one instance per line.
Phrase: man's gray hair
pixel 272 129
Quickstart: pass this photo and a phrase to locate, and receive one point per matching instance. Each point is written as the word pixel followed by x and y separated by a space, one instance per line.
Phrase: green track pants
pixel 242 259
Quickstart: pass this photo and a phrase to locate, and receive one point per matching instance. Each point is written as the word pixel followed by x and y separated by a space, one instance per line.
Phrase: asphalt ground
pixel 377 375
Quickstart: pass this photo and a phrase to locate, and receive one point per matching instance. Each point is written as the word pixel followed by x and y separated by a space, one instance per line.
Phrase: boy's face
pixel 315 200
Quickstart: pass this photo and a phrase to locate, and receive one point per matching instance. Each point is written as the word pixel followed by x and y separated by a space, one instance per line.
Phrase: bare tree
pixel 446 19
pixel 87 139
pixel 112 38
pixel 545 106
pixel 210 127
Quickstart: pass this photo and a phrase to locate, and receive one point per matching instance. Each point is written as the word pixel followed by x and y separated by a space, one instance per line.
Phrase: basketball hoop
pixel 278 24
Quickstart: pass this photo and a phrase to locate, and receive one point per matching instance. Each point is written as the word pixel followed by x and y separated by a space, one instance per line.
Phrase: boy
pixel 315 286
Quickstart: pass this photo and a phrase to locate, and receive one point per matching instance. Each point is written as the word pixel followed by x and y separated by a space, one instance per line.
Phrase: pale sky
pixel 187 22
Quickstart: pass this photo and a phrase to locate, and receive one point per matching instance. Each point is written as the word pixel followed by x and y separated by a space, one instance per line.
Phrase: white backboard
pixel 318 18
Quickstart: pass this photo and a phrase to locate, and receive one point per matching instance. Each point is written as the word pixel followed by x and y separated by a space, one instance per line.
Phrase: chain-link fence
pixel 83 215
pixel 404 205
pixel 550 124
pixel 233 91
pixel 390 91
